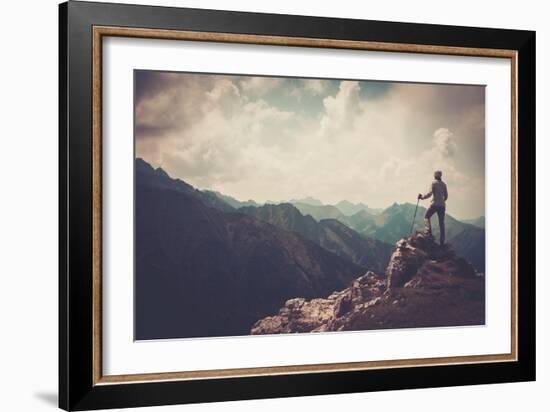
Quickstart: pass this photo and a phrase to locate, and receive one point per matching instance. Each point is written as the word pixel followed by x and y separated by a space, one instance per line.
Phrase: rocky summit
pixel 425 285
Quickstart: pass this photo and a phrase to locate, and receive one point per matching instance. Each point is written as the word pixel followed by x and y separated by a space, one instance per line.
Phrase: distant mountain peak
pixel 331 234
pixel 231 200
pixel 307 200
pixel 348 203
pixel 279 206
pixel 395 208
pixel 349 208
pixel 403 207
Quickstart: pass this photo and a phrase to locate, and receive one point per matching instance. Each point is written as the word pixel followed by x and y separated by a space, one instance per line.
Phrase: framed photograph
pixel 256 205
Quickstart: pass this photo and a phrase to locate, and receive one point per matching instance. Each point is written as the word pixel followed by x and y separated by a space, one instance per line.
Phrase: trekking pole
pixel 414 218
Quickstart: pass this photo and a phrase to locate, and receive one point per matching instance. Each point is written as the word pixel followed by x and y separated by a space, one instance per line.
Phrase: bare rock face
pixel 426 285
pixel 413 252
pixel 299 315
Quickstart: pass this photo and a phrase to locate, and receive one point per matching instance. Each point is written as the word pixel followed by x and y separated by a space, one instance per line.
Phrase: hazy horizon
pixel 276 139
pixel 307 199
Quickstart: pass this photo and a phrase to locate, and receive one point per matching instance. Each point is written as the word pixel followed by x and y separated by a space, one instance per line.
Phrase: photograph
pixel 280 205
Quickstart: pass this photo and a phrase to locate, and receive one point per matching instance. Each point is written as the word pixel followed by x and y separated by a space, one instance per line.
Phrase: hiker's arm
pixel 446 194
pixel 427 195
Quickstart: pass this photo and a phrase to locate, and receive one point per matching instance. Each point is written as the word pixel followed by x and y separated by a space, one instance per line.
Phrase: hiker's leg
pixel 427 220
pixel 441 217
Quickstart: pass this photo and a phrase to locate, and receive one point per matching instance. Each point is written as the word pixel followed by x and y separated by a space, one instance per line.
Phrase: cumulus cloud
pixel 212 134
pixel 315 86
pixel 260 86
pixel 341 109
pixel 309 87
pixel 243 136
pixel 224 95
pixel 444 143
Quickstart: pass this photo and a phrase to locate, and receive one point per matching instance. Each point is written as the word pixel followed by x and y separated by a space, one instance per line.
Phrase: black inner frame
pixel 76 388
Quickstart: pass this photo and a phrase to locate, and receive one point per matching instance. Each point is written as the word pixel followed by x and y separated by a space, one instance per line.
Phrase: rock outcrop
pixel 425 285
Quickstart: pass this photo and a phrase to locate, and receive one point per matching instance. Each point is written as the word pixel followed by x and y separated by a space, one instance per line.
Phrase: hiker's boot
pixel 428 228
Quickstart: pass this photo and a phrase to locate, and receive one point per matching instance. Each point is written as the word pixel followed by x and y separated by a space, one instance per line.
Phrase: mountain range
pixel 308 205
pixel 321 212
pixel 204 269
pixel 331 234
pixel 231 200
pixel 349 208
pixel 207 264
pixel 392 223
pixel 342 209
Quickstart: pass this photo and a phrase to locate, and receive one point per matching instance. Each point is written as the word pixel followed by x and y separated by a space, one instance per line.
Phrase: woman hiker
pixel 439 195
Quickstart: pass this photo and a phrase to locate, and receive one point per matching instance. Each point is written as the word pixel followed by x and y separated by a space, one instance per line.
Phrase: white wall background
pixel 28 203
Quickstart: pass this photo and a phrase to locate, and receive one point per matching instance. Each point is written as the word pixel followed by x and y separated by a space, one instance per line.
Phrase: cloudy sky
pixel 267 138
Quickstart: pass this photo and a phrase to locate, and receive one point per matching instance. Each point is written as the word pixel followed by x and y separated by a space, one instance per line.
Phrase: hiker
pixel 438 193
